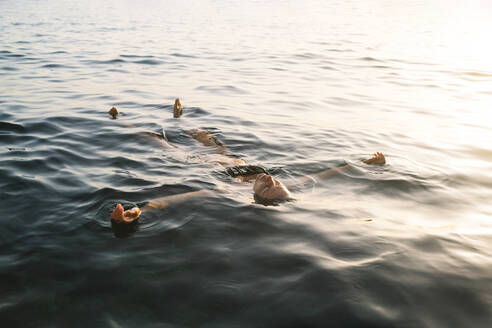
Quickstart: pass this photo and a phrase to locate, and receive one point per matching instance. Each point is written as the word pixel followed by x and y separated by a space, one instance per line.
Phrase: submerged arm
pixel 319 176
pixel 377 158
pixel 163 202
pixel 327 173
pixel 119 215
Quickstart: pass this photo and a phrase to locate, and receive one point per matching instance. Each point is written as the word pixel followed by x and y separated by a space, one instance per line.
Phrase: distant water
pixel 298 86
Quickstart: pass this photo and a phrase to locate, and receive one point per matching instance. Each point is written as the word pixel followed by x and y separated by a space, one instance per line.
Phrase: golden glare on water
pixel 470 34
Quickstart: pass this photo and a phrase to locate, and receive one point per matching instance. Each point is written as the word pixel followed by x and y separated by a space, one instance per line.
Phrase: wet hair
pixel 245 170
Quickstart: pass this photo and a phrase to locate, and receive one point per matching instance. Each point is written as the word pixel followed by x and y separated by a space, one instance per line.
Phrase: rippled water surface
pixel 298 86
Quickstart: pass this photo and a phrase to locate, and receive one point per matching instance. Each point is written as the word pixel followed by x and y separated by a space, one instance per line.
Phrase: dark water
pixel 297 86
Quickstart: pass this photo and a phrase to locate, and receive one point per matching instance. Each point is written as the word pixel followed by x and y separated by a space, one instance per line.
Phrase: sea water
pixel 294 86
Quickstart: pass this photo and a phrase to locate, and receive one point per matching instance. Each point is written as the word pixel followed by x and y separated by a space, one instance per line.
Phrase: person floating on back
pixel 266 188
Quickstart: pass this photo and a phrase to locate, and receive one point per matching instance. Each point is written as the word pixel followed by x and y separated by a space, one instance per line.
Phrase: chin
pixel 271 201
pixel 277 192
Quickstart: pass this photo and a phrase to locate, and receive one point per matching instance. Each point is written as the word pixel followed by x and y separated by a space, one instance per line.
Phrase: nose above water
pixel 267 179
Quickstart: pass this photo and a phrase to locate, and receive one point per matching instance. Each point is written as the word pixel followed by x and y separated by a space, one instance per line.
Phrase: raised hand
pixel 119 215
pixel 377 158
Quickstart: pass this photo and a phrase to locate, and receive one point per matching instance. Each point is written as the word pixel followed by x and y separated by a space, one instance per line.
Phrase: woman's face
pixel 269 188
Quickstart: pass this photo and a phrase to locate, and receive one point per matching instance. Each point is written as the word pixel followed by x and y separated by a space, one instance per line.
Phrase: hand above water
pixel 119 215
pixel 377 158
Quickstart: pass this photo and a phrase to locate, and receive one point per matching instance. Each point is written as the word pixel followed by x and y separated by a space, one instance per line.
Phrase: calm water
pixel 296 85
